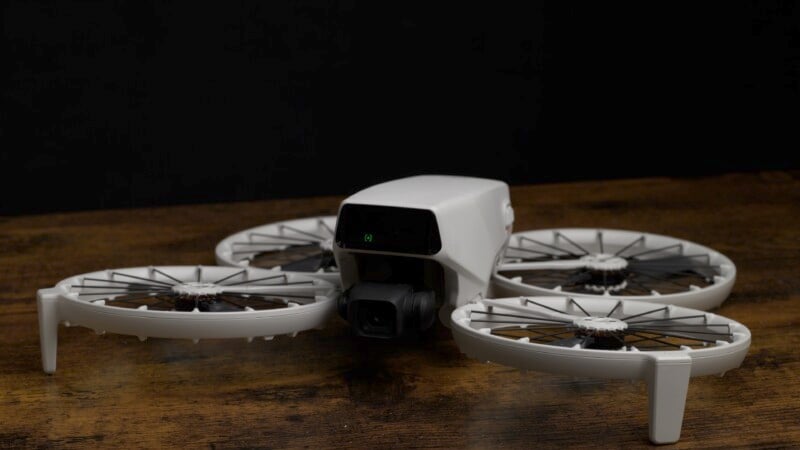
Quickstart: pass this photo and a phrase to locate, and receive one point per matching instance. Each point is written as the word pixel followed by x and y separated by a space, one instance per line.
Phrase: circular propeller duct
pixel 191 302
pixel 609 338
pixel 301 246
pixel 633 265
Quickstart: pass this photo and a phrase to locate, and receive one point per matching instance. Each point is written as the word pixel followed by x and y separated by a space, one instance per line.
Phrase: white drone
pixel 584 302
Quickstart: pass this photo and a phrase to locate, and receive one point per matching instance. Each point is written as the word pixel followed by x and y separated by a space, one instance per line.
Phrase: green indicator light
pixel 367 237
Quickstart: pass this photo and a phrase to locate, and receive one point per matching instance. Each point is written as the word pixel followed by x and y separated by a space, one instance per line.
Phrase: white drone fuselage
pixel 472 219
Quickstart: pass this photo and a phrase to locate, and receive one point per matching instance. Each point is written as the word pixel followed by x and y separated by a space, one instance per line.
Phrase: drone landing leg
pixel 48 328
pixel 667 384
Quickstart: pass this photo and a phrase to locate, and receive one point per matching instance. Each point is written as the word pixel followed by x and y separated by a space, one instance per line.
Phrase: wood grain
pixel 325 389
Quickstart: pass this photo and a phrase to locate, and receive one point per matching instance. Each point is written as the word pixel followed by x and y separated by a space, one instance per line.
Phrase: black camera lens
pixel 386 311
pixel 377 318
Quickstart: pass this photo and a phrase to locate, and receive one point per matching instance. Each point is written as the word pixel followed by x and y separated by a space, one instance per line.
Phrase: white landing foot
pixel 48 327
pixel 667 385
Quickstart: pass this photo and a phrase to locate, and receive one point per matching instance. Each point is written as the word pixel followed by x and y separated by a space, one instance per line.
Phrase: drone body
pixel 436 237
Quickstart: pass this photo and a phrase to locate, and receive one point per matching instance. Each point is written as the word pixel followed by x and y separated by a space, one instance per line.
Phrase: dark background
pixel 139 103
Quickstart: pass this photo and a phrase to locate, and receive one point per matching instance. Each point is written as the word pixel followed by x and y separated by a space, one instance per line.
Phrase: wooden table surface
pixel 325 389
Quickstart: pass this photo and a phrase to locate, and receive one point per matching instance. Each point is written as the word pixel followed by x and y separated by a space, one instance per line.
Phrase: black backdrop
pixel 139 103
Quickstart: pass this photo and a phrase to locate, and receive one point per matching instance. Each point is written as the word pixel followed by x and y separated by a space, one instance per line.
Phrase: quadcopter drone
pixel 584 302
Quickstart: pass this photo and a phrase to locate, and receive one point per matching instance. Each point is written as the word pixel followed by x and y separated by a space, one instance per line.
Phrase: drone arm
pixel 566 264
